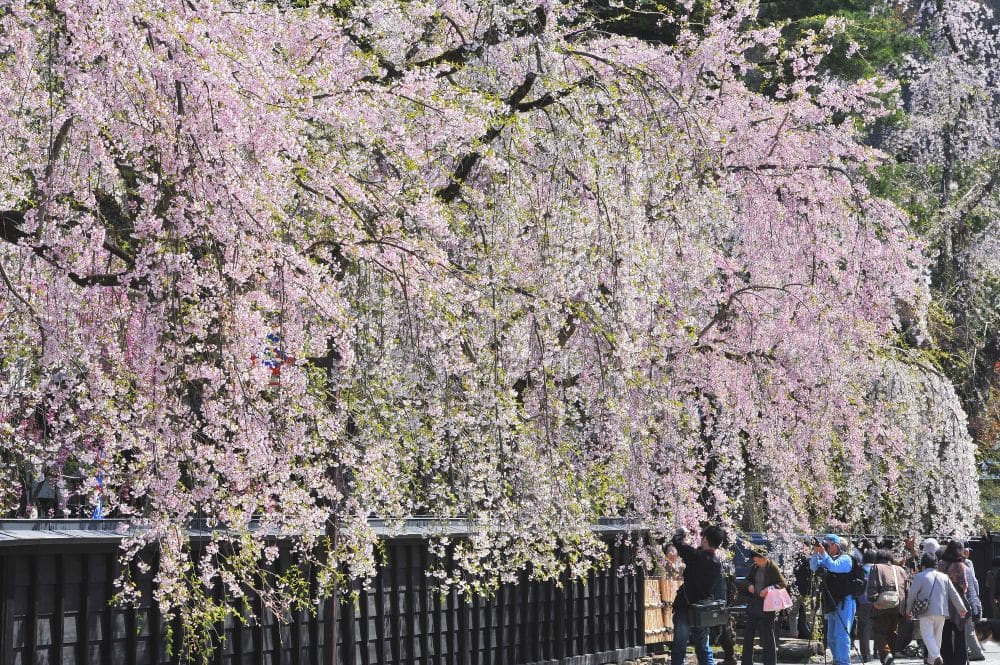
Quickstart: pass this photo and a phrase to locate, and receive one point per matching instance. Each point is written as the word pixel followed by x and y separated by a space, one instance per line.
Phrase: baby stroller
pixel 916 649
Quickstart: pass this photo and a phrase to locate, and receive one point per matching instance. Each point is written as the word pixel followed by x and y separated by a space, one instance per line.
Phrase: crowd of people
pixel 866 594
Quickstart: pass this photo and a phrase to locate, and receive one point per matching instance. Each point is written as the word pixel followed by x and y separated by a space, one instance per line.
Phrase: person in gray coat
pixel 937 590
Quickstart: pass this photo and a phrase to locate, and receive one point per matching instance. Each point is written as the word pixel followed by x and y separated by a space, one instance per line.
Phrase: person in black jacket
pixel 702 575
pixel 802 627
pixel 991 595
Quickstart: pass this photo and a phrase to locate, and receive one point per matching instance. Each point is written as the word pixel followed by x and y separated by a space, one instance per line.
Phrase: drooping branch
pixel 946 28
pixel 516 104
pixel 724 310
pixel 57 145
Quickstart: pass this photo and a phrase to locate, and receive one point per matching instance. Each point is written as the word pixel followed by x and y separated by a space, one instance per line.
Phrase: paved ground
pixel 991 649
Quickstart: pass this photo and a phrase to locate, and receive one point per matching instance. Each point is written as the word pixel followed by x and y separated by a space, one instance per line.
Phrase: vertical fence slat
pixel 380 616
pixel 364 600
pixel 524 619
pixel 176 639
pixel 155 617
pixel 552 637
pixel 605 642
pixel 559 618
pixel 347 632
pixel 276 644
pixel 440 633
pixel 313 626
pixel 592 610
pixel 394 619
pixel 638 602
pixel 451 612
pixel 6 612
pixel 475 605
pixel 296 636
pixel 621 604
pixel 237 638
pixel 58 616
pixel 258 631
pixel 83 622
pixel 502 651
pixel 423 594
pixel 219 640
pixel 462 607
pixel 411 603
pixel 489 623
pixel 535 620
pixel 31 615
pixel 635 599
pixel 106 609
pixel 131 646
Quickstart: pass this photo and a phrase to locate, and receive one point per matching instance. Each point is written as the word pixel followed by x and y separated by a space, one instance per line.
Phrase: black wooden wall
pixel 55 610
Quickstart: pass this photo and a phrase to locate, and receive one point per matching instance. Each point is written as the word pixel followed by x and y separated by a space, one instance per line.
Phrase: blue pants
pixel 838 631
pixel 684 634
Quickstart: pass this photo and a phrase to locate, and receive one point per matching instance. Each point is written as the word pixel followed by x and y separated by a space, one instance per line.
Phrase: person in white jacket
pixel 937 591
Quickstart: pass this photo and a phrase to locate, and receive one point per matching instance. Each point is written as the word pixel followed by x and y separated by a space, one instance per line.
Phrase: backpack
pixel 842 585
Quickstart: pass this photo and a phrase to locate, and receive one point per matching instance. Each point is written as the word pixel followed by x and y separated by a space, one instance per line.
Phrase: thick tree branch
pixel 10 226
pixel 11 232
pixel 57 145
pixel 517 105
pixel 100 279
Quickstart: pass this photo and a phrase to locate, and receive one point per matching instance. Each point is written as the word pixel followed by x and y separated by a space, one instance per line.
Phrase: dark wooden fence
pixel 56 579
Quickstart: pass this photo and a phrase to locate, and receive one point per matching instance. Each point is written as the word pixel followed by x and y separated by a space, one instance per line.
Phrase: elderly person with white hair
pixel 931 546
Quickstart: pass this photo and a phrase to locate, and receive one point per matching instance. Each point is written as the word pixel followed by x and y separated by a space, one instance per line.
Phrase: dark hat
pixel 756 550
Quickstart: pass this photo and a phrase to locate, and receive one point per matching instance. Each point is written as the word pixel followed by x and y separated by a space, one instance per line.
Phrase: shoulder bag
pixel 707 613
pixel 889 598
pixel 921 605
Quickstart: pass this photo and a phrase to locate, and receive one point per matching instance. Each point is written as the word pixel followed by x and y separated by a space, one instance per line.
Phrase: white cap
pixel 929 546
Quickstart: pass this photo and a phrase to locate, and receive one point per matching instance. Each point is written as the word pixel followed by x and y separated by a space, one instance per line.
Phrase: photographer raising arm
pixel 702 575
pixel 839 606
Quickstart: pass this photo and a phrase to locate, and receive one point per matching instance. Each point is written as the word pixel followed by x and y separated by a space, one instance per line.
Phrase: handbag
pixel 889 598
pixel 776 599
pixel 921 605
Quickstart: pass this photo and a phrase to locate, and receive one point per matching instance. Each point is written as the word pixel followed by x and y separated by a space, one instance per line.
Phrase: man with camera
pixel 702 580
pixel 835 567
